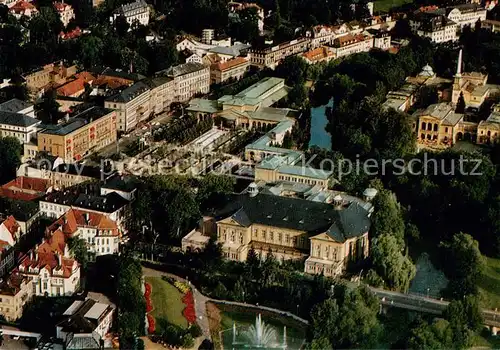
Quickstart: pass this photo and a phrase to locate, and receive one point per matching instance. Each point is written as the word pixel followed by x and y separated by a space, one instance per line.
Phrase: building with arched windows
pixel 328 235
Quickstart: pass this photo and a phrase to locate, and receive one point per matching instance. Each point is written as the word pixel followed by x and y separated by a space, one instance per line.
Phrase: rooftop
pixel 183 69
pixel 84 316
pixel 130 93
pixel 88 116
pixel 296 214
pixel 17 119
pixel 132 6
pixel 15 105
pixel 125 183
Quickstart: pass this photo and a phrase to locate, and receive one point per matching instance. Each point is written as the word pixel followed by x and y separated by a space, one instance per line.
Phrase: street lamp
pixel 297 309
pixel 428 292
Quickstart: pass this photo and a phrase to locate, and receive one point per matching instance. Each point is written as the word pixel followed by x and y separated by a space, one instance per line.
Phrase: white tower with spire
pixel 457 83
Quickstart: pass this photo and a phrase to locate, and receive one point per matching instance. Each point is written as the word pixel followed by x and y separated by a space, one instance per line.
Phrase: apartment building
pixel 162 93
pixel 50 267
pixel 132 106
pixel 18 125
pixel 137 11
pixel 466 14
pixel 81 135
pixel 65 11
pixel 350 44
pixel 271 56
pixel 85 322
pixel 189 79
pixel 111 205
pixel 15 292
pixel 434 26
pixel 319 54
pixel 100 233
pixel 232 69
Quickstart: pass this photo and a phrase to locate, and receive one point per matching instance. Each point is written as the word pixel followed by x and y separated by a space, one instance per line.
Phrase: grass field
pixel 167 302
pixel 489 285
pixel 386 5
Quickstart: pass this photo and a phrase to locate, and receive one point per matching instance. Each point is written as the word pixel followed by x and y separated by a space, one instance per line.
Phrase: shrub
pixel 195 330
pixel 187 341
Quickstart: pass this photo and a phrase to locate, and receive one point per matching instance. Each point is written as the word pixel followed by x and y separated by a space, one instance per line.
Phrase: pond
pixel 251 330
pixel 319 136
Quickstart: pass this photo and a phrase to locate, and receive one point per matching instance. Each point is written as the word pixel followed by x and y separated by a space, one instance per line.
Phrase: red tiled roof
pixel 68 223
pixel 317 54
pixel 222 66
pixel 24 188
pixel 73 87
pixel 21 6
pixel 111 82
pixel 72 34
pixel 3 245
pixel 11 225
pixel 61 6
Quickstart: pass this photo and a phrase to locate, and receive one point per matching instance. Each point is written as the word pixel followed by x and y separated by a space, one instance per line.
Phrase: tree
pixel 11 151
pixel 396 269
pixel 48 108
pixel 464 264
pixel 350 321
pixel 387 217
pixel 91 49
pixel 426 96
pixel 429 336
pixel 121 26
pixel 211 186
pixel 78 248
pixel 212 255
pixel 460 108
pixel 464 317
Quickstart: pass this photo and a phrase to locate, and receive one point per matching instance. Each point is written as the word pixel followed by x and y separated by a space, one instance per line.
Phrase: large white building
pixel 137 11
pixel 189 79
pixel 85 325
pixel 20 126
pixel 437 27
pixel 100 233
pixel 132 106
pixel 65 11
pixel 50 267
pixel 466 14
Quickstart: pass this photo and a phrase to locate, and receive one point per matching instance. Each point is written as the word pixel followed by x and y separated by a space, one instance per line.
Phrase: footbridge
pixel 428 305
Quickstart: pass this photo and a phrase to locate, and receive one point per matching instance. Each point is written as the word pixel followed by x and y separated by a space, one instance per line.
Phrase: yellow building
pixel 438 125
pixel 329 236
pixel 15 292
pixel 81 135
pixel 471 85
pixel 488 131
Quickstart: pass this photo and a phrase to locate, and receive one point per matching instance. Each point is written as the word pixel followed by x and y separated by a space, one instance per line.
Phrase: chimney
pixel 59 259
pixel 87 218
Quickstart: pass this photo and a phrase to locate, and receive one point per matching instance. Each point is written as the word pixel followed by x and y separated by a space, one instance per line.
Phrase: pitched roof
pixel 183 69
pixel 17 119
pixel 222 66
pixel 22 6
pixel 75 86
pixel 11 225
pixel 72 34
pixel 25 188
pixel 317 54
pixel 62 6
pixel 296 214
pixel 130 93
pixel 14 105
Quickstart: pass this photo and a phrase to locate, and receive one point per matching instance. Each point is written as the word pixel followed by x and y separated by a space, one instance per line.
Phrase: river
pixel 319 136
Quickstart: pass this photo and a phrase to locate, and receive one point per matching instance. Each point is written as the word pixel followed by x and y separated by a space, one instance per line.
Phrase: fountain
pixel 259 336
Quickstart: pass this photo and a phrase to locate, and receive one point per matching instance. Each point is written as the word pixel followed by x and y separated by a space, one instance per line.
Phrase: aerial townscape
pixel 251 174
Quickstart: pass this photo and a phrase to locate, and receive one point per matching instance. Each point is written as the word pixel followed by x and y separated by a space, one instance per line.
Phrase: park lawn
pixel 386 5
pixel 167 302
pixel 489 284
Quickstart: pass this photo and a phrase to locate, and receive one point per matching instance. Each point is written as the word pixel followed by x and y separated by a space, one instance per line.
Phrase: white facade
pixel 441 35
pixel 194 58
pixel 137 11
pixel 467 16
pixel 24 133
pixel 65 11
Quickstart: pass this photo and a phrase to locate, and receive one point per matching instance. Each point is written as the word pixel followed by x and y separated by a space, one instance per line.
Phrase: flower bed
pixel 189 312
pixel 149 308
pixel 151 324
pixel 183 287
